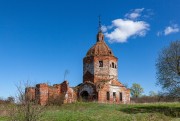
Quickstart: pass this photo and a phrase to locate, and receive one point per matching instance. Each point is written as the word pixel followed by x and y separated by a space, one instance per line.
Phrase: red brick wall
pixel 30 93
pixel 88 69
pixel 88 77
pixel 104 72
pixel 64 87
pixel 95 73
pixel 42 93
pixel 119 88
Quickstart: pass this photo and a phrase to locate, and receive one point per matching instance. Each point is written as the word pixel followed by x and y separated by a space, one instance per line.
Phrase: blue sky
pixel 40 39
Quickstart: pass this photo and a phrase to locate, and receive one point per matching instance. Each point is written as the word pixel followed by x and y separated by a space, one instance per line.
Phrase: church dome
pixel 100 48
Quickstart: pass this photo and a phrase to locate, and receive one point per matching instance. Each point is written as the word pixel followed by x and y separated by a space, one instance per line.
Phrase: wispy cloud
pixel 159 33
pixel 122 29
pixel 134 14
pixel 171 29
pixel 174 28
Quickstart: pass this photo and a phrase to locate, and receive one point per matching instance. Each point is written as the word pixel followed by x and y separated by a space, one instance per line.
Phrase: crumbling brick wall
pixel 30 93
pixel 44 94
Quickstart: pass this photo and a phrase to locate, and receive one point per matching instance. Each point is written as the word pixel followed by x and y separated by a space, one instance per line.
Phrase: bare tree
pixel 168 69
pixel 66 72
pixel 126 85
pixel 25 109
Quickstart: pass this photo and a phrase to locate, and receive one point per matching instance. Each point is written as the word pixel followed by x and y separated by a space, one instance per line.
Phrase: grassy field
pixel 111 112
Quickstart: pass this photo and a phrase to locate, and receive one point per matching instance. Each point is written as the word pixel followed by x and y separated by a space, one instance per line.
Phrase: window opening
pixel 114 94
pixel 100 63
pixel 120 96
pixel 108 96
pixel 112 64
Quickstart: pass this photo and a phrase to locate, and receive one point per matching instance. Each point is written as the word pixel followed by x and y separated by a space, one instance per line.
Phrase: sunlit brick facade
pixel 100 76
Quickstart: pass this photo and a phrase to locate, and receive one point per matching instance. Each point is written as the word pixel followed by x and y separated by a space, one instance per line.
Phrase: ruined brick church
pixel 100 80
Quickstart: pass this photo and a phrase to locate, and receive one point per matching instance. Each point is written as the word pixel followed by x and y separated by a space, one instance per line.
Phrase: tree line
pixel 167 73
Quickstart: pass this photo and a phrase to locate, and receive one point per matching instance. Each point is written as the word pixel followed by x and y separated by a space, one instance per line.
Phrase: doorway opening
pixel 84 95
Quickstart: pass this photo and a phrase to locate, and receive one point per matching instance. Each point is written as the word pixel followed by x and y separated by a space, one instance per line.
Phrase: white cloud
pixel 104 28
pixel 124 28
pixel 138 10
pixel 171 29
pixel 134 14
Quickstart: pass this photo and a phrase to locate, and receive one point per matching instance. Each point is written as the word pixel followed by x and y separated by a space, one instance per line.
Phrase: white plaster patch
pixel 70 90
pixel 113 71
pixel 66 96
pixel 101 70
pixel 114 89
pixel 88 67
pixel 87 88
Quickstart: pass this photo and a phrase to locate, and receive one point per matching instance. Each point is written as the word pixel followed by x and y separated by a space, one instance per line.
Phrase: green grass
pixel 107 112
pixel 110 112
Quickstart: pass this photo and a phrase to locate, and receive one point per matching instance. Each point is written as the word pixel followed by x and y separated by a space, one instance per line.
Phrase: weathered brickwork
pixel 43 93
pixel 30 93
pixel 92 72
pixel 100 76
pixel 100 80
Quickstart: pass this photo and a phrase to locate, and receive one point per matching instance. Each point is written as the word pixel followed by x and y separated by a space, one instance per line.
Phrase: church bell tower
pixel 99 64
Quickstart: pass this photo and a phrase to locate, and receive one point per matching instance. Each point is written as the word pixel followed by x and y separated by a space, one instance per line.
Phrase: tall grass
pixel 81 111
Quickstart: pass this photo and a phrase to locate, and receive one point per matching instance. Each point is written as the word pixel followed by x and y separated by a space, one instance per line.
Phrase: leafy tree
pixel 136 90
pixel 126 85
pixel 168 69
pixel 152 94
